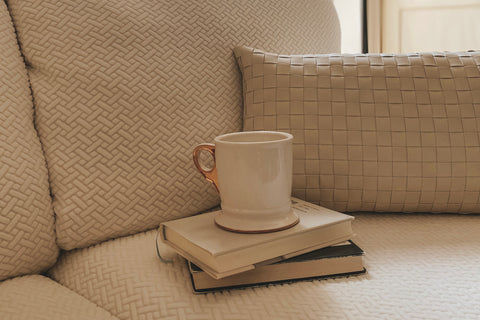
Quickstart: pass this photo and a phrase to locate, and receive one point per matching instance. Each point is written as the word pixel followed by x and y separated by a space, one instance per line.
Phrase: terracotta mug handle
pixel 211 173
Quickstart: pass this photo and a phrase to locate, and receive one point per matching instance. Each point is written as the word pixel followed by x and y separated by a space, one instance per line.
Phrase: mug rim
pixel 284 137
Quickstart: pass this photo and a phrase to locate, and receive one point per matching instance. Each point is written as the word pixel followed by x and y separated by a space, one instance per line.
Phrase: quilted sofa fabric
pixel 38 297
pixel 373 132
pixel 27 237
pixel 418 268
pixel 125 89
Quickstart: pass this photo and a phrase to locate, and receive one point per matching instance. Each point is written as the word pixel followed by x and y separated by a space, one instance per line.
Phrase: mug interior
pixel 254 137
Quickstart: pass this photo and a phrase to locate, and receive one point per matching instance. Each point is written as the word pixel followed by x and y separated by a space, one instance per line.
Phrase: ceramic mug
pixel 252 171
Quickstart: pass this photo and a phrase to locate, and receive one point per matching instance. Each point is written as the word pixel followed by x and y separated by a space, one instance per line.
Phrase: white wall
pixel 350 14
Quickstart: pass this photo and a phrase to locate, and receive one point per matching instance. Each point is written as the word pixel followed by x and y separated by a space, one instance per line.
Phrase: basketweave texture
pixel 38 297
pixel 125 89
pixel 373 132
pixel 27 236
pixel 407 257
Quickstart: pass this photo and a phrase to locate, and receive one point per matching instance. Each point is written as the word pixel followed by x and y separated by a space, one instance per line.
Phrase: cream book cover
pixel 221 253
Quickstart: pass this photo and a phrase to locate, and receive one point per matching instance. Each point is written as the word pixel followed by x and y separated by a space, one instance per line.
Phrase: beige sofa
pixel 102 103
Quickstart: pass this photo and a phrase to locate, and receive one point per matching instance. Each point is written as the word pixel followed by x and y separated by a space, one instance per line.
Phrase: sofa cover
pixel 124 90
pixel 27 234
pixel 419 266
pixel 38 297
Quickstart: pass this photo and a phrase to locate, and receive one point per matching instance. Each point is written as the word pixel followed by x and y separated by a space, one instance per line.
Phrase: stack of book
pixel 318 246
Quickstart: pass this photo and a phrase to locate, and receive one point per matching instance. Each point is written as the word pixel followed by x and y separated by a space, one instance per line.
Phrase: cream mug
pixel 252 171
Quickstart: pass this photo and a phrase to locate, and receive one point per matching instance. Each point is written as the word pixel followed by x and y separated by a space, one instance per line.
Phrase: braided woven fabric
pixel 125 89
pixel 407 258
pixel 41 298
pixel 27 236
pixel 373 132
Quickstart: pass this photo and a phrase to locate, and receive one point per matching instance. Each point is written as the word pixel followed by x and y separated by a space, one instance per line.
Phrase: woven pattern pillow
pixel 373 132
pixel 27 235
pixel 124 90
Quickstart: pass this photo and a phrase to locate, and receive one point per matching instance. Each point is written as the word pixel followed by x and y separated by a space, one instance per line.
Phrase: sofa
pixel 102 103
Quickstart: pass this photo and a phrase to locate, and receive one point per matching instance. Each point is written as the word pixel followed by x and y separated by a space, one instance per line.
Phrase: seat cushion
pixel 27 236
pixel 38 297
pixel 418 267
pixel 373 132
pixel 125 89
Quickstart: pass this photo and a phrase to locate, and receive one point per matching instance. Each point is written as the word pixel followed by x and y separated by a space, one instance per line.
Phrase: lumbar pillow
pixel 124 90
pixel 27 232
pixel 373 132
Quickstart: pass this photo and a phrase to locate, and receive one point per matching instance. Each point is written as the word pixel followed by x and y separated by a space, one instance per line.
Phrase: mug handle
pixel 211 174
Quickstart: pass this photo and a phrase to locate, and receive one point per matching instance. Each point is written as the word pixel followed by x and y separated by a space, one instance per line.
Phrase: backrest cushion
pixel 373 132
pixel 124 90
pixel 27 235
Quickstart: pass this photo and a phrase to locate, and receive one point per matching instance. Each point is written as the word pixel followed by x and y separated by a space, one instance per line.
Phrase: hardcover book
pixel 221 253
pixel 338 260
